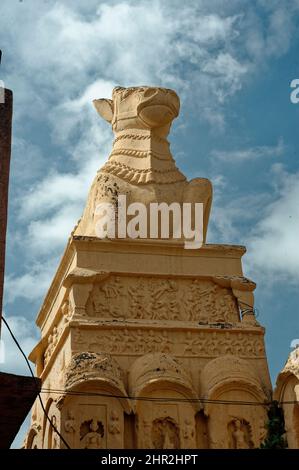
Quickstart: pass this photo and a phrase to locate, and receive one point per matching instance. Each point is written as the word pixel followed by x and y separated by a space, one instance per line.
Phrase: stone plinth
pixel 145 319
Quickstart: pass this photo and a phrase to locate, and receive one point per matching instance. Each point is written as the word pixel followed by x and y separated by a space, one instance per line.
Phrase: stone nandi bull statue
pixel 140 165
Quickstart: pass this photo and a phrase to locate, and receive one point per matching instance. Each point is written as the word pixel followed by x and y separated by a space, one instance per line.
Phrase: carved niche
pixel 162 299
pixel 85 422
pixel 165 434
pixel 93 422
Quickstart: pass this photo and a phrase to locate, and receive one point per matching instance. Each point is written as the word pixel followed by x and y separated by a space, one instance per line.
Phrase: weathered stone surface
pixel 139 330
pixel 140 165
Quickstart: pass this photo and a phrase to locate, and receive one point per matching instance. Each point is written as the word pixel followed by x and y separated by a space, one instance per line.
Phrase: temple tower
pixel 144 343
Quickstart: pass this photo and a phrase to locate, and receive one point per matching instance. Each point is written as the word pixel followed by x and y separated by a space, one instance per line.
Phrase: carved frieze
pixel 162 299
pixel 204 343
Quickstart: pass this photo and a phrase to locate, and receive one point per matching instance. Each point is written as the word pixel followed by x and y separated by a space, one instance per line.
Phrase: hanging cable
pixel 162 399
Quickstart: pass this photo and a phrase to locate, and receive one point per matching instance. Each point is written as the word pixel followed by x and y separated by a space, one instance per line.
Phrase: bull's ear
pixel 105 108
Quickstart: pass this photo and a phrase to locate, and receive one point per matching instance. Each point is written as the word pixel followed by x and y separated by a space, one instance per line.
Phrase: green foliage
pixel 275 428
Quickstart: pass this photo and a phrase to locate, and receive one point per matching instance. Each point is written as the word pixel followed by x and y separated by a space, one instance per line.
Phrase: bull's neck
pixel 141 143
pixel 140 156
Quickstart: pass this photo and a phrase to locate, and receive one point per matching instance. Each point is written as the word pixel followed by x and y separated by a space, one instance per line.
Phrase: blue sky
pixel 231 62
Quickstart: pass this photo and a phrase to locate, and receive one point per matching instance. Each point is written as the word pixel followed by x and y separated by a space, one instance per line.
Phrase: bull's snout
pixel 158 107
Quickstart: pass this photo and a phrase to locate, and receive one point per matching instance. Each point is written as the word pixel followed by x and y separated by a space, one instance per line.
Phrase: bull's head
pixel 140 108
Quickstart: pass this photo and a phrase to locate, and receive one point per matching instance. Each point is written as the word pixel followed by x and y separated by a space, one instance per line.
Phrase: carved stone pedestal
pixel 142 345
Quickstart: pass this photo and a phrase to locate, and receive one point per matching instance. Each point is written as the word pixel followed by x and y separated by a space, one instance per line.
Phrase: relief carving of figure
pixel 91 434
pixel 153 341
pixel 190 344
pixel 262 430
pixel 137 301
pixel 128 341
pixel 167 343
pixel 52 341
pixel 164 304
pixel 215 344
pixel 104 299
pixel 146 434
pixel 54 336
pixel 114 425
pixel 200 301
pixel 188 433
pixel 139 346
pixel 240 434
pixel 227 310
pixel 66 311
pixel 69 424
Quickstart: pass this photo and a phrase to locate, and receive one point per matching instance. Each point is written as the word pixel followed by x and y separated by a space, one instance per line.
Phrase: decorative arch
pixel 95 402
pixel 282 382
pixel 229 373
pixel 99 373
pixel 229 380
pixel 159 371
pixel 162 421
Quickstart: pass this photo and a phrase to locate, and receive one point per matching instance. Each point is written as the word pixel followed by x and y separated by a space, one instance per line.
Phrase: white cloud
pixel 130 43
pixel 48 235
pixel 228 71
pixel 252 153
pixel 65 54
pixel 33 283
pixel 50 194
pixel 267 223
pixel 273 244
pixel 23 152
pixel 281 28
pixel 22 329
pixel 231 218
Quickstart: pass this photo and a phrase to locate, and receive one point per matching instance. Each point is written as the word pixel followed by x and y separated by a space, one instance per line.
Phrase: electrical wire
pixel 152 399
pixel 162 399
pixel 36 383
